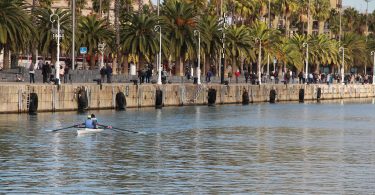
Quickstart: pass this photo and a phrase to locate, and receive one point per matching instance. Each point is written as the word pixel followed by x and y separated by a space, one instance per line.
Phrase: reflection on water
pixel 288 148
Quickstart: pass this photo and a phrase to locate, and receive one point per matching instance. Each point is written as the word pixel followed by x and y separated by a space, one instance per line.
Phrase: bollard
pixel 159 99
pixel 272 96
pixel 245 98
pixel 120 101
pixel 301 95
pixel 211 97
pixel 319 93
pixel 82 100
pixel 33 103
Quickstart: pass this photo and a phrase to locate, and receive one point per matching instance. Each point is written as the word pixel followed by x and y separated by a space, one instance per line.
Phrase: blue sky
pixel 358 4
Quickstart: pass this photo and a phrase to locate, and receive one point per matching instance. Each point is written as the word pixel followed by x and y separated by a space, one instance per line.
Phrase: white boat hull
pixel 88 130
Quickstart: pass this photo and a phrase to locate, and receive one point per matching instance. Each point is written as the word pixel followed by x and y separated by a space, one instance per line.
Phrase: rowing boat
pixel 88 130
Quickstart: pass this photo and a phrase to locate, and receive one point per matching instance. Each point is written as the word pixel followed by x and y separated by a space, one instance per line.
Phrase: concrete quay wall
pixel 15 98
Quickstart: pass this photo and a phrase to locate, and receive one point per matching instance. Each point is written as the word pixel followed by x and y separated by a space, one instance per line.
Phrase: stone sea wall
pixel 19 98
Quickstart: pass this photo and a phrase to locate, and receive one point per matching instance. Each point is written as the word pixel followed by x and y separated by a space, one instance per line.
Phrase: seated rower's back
pixel 89 122
pixel 94 121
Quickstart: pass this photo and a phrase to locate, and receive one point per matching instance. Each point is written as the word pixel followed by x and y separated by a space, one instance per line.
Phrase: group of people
pixel 91 122
pixel 145 74
pixel 106 71
pixel 47 72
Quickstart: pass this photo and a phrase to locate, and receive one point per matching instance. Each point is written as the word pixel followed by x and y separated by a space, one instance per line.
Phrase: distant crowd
pixel 146 75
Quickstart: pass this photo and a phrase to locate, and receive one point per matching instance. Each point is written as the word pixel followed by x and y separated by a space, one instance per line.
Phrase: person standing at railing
pixel 237 74
pixel 66 73
pixel 61 72
pixel 32 72
pixel 109 73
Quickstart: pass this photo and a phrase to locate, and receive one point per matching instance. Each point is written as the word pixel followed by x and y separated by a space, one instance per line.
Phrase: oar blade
pixel 54 130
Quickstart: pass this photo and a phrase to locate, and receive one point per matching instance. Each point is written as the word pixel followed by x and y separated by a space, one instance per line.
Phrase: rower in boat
pixel 89 123
pixel 94 121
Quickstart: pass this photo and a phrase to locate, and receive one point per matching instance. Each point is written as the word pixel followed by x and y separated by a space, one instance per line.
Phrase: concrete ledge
pixel 15 96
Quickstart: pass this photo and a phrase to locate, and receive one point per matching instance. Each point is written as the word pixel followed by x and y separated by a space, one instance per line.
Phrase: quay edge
pixel 15 97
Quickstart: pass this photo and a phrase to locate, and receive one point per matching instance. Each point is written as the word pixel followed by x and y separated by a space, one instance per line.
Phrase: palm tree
pixel 100 6
pixel 138 37
pixel 179 19
pixel 244 11
pixel 288 52
pixel 288 7
pixel 322 11
pixel 238 42
pixel 45 3
pixel 209 26
pixel 334 22
pixel 295 44
pixel 269 38
pixel 350 17
pixel 93 31
pixel 323 51
pixel 356 53
pixel 15 28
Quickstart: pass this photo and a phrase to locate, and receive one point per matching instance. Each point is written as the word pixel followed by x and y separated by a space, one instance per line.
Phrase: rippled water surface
pixel 311 148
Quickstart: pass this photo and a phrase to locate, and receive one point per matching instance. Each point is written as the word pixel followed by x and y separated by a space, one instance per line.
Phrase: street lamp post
pixel 373 68
pixel 259 60
pixel 74 30
pixel 307 60
pixel 269 26
pixel 101 49
pixel 342 49
pixel 198 33
pixel 274 64
pixel 158 28
pixel 223 51
pixel 57 36
pixel 308 18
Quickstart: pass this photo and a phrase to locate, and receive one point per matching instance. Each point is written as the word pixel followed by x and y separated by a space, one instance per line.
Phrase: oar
pixel 54 130
pixel 115 128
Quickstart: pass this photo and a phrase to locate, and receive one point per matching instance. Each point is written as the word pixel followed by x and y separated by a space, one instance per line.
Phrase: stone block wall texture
pixel 14 98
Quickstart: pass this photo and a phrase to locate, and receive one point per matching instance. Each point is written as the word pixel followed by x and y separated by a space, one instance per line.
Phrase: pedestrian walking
pixel 237 74
pixel 208 76
pixel 109 73
pixel 61 72
pixel 246 75
pixel 40 64
pixel 102 73
pixel 45 73
pixel 66 73
pixel 32 72
pixel 148 75
pixel 49 72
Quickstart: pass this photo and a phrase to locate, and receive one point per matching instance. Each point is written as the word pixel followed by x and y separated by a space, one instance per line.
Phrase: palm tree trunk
pixel 6 61
pixel 14 60
pixel 317 68
pixel 275 22
pixel 92 61
pixel 207 64
pixel 125 64
pixel 287 26
pixel 117 28
pixel 141 62
pixel 33 44
pixel 321 27
pixel 179 66
pixel 310 26
pixel 234 65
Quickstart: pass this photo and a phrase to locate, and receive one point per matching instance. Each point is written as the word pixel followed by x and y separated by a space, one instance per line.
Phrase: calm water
pixel 291 148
